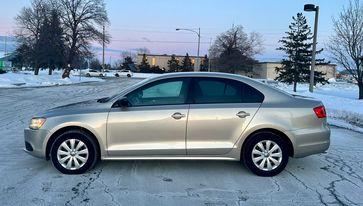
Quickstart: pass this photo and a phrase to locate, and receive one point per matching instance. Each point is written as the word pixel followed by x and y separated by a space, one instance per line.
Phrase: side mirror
pixel 122 103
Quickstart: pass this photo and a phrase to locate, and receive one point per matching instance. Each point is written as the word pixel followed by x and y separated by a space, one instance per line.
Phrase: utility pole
pixel 209 63
pixel 5 45
pixel 312 7
pixel 198 58
pixel 103 48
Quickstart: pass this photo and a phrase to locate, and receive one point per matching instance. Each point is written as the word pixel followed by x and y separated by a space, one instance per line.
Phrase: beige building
pixel 267 70
pixel 262 70
pixel 162 60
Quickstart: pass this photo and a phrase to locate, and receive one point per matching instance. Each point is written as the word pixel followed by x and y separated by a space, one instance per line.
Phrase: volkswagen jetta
pixel 196 115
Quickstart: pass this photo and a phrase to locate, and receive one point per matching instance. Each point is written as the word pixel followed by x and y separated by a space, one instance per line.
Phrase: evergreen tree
pixel 297 46
pixel 22 56
pixel 173 64
pixel 95 64
pixel 51 46
pixel 187 64
pixel 156 70
pixel 144 66
pixel 127 63
pixel 204 64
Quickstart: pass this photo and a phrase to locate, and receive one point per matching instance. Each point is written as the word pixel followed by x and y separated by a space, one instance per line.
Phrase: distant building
pixel 162 60
pixel 261 70
pixel 267 70
pixel 5 62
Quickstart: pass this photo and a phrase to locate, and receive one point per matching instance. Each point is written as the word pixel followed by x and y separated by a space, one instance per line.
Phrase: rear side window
pixel 218 90
pixel 250 94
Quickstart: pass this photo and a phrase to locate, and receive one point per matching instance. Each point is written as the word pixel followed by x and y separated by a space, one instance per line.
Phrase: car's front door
pixel 154 123
pixel 220 112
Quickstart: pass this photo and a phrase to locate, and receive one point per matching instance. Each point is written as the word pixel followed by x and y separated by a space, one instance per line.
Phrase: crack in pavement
pixel 339 164
pixel 337 161
pixel 320 196
pixel 276 183
pixel 81 193
pixel 107 191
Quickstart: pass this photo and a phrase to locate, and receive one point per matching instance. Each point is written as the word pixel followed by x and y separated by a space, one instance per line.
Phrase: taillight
pixel 320 111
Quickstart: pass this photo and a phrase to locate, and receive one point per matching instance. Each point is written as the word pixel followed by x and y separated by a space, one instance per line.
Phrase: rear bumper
pixel 34 141
pixel 310 141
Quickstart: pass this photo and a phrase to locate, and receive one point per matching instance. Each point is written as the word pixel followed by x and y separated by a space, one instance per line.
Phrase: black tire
pixel 117 75
pixel 79 135
pixel 101 75
pixel 88 75
pixel 247 155
pixel 129 75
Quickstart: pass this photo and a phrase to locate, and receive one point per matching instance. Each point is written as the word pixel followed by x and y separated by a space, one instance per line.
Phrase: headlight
pixel 36 122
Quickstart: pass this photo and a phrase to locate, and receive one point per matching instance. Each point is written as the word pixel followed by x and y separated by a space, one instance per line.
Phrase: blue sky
pixel 151 24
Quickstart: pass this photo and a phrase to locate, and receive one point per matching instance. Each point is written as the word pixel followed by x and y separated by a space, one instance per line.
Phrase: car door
pixel 220 111
pixel 154 123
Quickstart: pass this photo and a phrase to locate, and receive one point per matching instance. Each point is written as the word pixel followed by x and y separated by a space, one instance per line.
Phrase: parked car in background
pixel 93 73
pixel 124 73
pixel 195 115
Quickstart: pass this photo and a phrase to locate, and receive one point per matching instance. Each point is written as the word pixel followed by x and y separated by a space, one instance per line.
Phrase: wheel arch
pixel 274 131
pixel 60 131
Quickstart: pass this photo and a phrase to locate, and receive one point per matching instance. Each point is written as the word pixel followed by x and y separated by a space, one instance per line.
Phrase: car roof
pixel 200 74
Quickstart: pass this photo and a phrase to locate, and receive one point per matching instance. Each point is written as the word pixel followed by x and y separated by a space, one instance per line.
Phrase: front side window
pixel 163 92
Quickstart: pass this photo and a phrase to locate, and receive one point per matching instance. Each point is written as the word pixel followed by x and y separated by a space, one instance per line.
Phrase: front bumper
pixel 310 141
pixel 34 142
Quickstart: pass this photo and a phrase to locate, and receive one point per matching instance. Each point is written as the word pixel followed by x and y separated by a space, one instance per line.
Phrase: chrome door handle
pixel 178 115
pixel 242 114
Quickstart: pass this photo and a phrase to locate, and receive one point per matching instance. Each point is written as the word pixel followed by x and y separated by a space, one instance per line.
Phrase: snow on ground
pixel 340 99
pixel 145 75
pixel 28 79
pixel 332 178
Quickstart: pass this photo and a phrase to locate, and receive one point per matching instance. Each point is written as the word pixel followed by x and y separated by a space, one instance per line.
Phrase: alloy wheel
pixel 72 154
pixel 267 155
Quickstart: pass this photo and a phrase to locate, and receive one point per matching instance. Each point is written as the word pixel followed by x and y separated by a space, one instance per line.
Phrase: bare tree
pixel 83 21
pixel 346 44
pixel 29 23
pixel 235 49
pixel 142 50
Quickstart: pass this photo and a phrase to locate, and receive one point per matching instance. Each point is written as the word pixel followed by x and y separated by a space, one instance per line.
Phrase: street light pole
pixel 312 7
pixel 198 58
pixel 103 48
pixel 197 64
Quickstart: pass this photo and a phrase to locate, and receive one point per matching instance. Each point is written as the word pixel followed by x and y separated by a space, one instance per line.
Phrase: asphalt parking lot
pixel 332 178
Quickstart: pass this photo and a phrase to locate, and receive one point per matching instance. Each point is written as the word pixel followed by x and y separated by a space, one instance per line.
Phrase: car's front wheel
pixel 265 154
pixel 74 152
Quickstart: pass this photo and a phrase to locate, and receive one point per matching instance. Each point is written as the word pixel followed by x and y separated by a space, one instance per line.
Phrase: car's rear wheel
pixel 265 154
pixel 117 75
pixel 129 75
pixel 74 152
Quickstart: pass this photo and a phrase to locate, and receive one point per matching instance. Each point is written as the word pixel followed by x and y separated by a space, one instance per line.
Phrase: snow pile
pixel 28 79
pixel 112 73
pixel 145 75
pixel 340 99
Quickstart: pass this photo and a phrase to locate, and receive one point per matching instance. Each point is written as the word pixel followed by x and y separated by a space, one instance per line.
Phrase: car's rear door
pixel 155 122
pixel 220 111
